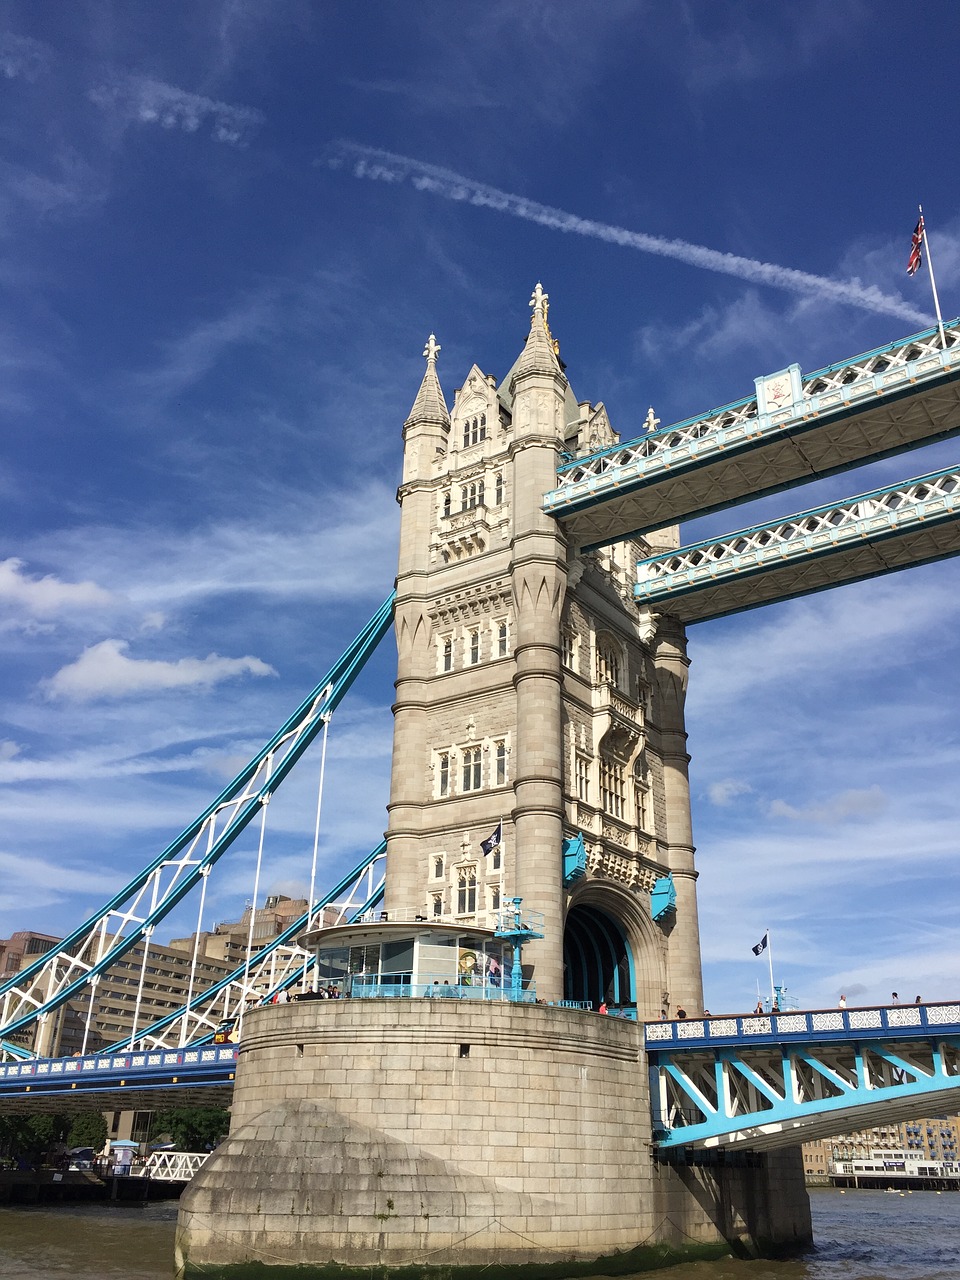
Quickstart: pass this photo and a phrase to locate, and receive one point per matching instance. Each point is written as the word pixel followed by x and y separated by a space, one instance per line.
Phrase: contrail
pixel 385 166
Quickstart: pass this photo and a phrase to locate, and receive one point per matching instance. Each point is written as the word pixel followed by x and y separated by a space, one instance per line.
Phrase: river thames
pixel 860 1235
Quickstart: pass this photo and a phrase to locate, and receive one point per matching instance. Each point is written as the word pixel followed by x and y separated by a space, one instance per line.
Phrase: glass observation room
pixel 379 957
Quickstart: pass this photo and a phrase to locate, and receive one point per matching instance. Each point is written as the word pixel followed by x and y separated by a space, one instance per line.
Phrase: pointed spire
pixel 430 405
pixel 540 352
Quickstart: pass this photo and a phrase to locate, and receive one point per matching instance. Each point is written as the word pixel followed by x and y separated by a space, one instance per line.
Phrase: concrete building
pixel 934 1139
pixel 534 704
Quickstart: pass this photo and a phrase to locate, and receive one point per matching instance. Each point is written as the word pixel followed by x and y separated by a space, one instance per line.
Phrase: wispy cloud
pixel 847 806
pixel 386 166
pixel 105 671
pixel 143 100
pixel 724 792
pixel 47 596
pixel 34 882
pixel 22 57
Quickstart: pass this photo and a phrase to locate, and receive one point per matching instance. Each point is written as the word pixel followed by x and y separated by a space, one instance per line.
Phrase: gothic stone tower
pixel 435 1133
pixel 529 691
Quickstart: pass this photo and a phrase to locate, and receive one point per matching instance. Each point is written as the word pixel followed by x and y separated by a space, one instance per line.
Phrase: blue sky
pixel 227 229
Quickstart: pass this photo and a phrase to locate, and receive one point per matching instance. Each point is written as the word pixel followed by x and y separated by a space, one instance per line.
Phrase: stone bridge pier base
pixel 447 1136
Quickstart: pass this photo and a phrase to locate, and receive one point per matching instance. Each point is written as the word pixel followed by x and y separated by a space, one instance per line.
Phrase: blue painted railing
pixel 824 1024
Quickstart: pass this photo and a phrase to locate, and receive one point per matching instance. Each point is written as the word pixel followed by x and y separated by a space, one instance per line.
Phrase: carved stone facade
pixel 530 692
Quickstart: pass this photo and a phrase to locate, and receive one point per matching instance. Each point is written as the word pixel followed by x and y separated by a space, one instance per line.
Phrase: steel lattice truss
pixel 776 1080
pixel 280 966
pixel 888 400
pixel 906 524
pixel 132 916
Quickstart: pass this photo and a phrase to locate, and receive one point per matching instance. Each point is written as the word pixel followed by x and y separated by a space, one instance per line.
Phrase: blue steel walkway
pixel 198 1077
pixel 774 1080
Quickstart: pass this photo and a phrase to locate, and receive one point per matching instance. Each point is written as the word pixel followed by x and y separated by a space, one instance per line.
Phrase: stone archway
pixel 612 950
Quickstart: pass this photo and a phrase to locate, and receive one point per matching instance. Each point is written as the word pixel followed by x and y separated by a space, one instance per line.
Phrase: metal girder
pixel 796 429
pixel 907 524
pixel 127 1081
pixel 768 1081
pixel 280 965
pixel 133 914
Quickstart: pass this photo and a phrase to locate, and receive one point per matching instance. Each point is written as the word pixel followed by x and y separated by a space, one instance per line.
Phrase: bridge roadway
pixel 758 1081
pixel 911 523
pixel 196 1076
pixel 764 1081
pixel 797 428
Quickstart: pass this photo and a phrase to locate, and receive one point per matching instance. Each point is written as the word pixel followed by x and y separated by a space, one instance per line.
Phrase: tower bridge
pixel 539 759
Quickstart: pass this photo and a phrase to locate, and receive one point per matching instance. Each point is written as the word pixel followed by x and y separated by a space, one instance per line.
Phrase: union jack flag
pixel 916 249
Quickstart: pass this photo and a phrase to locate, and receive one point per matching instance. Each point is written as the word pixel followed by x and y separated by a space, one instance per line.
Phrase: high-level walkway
pixel 796 428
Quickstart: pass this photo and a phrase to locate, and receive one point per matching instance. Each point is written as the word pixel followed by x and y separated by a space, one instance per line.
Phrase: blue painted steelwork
pixel 574 859
pixel 187 1068
pixel 14 1051
pixel 609 484
pixel 663 898
pixel 61 974
pixel 764 1081
pixel 518 927
pixel 927 505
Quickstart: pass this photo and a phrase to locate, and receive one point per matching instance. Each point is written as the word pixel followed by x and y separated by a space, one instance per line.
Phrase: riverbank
pixel 81 1186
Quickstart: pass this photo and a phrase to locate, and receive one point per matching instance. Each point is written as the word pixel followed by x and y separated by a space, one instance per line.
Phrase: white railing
pixel 173 1166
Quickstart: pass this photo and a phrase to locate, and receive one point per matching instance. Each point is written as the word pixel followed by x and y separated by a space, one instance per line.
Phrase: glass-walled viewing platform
pixel 399 955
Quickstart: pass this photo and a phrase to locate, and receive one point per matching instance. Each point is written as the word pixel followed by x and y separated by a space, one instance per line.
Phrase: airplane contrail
pixel 386 166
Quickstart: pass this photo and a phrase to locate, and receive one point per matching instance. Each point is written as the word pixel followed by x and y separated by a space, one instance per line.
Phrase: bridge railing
pixel 173 1166
pixel 882 371
pixel 428 987
pixel 824 1023
pixel 111 1063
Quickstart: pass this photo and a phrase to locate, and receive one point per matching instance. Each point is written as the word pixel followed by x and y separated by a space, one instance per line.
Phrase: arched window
pixel 498 489
pixel 472 773
pixel 446 654
pixel 502 639
pixel 466 891
pixel 608 660
pixel 612 787
pixel 443 783
pixel 447 502
pixel 501 757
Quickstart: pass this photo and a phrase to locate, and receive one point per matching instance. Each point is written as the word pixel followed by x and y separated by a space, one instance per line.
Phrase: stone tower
pixel 393 1129
pixel 531 693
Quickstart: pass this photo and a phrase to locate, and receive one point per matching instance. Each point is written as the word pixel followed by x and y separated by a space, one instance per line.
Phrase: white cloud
pixel 723 793
pixel 8 750
pixel 22 57
pixel 47 596
pixel 143 100
pixel 104 671
pixel 33 882
pixel 846 806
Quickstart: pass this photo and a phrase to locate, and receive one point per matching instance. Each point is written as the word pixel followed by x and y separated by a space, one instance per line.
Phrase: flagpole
pixel 933 283
pixel 773 994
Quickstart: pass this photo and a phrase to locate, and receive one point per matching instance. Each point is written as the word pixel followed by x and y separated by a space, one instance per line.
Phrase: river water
pixel 860 1235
